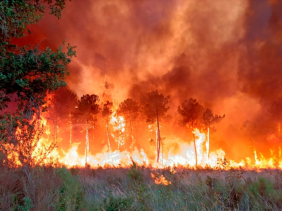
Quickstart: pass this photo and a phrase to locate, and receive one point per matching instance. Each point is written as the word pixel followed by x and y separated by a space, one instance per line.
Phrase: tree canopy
pixel 129 109
pixel 209 118
pixel 155 106
pixel 191 112
pixel 29 72
pixel 87 108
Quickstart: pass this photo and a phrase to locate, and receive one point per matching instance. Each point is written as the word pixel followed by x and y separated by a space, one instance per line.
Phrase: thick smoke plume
pixel 226 54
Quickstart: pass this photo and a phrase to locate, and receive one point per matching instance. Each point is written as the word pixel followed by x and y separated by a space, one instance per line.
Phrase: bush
pixel 18 204
pixel 71 193
pixel 116 204
pixel 135 174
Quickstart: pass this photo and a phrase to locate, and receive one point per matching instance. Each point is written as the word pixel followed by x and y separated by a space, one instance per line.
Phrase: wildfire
pixel 185 157
pixel 160 179
pixel 118 123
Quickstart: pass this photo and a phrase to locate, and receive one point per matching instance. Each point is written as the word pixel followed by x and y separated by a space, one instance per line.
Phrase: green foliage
pixel 24 70
pixel 16 15
pixel 27 74
pixel 70 193
pixel 135 174
pixel 116 204
pixel 262 187
pixel 24 205
pixel 32 73
pixel 194 190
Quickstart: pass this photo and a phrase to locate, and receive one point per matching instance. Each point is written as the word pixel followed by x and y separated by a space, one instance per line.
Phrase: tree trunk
pixel 70 129
pixel 87 143
pixel 93 132
pixel 107 125
pixel 208 143
pixel 131 127
pixel 195 148
pixel 159 139
pixel 55 130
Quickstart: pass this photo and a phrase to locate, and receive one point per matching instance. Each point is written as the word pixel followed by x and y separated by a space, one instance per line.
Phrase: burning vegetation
pixel 159 99
pixel 109 134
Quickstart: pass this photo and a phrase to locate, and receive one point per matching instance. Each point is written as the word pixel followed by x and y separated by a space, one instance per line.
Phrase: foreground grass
pixel 46 188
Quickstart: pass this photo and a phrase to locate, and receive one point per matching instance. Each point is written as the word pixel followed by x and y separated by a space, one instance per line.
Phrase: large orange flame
pixel 185 157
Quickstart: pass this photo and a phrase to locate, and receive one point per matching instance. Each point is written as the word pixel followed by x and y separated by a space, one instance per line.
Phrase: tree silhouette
pixel 155 109
pixel 191 112
pixel 129 109
pixel 209 119
pixel 87 110
pixel 65 101
pixel 106 113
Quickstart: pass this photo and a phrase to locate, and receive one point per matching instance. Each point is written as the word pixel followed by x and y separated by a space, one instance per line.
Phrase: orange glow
pixel 160 179
pixel 184 157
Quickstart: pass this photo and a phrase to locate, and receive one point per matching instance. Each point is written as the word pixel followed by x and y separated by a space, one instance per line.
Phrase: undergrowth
pixel 113 189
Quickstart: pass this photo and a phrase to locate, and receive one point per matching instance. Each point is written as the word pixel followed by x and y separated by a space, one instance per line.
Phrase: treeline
pixel 154 110
pixel 92 112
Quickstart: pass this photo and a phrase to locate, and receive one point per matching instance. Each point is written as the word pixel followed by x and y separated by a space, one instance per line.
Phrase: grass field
pixel 47 188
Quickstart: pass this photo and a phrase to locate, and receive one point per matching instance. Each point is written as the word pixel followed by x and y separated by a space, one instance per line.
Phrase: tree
pixel 27 73
pixel 155 108
pixel 129 109
pixel 87 111
pixel 106 113
pixel 209 119
pixel 191 112
pixel 64 102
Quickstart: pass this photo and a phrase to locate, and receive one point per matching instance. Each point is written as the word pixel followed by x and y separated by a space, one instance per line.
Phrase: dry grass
pixel 44 188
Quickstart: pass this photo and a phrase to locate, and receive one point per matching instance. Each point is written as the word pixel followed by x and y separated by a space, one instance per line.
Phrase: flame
pixel 160 179
pixel 185 157
pixel 118 123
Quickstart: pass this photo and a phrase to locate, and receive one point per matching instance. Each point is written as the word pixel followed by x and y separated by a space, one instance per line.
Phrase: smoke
pixel 226 54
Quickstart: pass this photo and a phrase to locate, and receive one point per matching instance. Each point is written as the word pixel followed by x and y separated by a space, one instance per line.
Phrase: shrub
pixel 70 193
pixel 116 204
pixel 135 174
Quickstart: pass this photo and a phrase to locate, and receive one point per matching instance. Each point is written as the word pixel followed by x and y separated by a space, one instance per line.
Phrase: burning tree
pixel 191 112
pixel 23 146
pixel 129 109
pixel 106 113
pixel 87 111
pixel 210 119
pixel 155 109
pixel 65 101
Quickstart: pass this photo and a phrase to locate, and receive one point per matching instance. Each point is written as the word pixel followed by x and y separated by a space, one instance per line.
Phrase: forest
pixel 140 105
